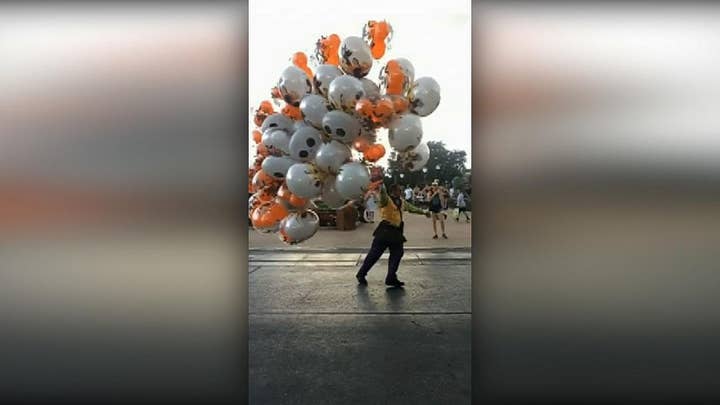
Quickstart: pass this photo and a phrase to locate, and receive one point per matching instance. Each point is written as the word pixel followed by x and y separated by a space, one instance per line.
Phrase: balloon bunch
pixel 304 150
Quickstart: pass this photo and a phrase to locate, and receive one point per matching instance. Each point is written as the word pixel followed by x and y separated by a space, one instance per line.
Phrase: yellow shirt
pixel 391 213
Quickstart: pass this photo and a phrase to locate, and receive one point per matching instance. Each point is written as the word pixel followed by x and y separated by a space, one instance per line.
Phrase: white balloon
pixel 344 92
pixel 302 179
pixel 277 166
pixel 330 195
pixel 314 108
pixel 324 75
pixel 331 156
pixel 417 158
pixel 298 227
pixel 405 132
pixel 371 89
pixel 355 56
pixel 277 141
pixel 305 143
pixel 424 96
pixel 341 126
pixel 277 121
pixel 352 180
pixel 300 124
pixel 294 84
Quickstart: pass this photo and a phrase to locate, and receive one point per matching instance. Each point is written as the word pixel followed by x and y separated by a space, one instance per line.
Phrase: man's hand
pixel 377 174
pixel 427 213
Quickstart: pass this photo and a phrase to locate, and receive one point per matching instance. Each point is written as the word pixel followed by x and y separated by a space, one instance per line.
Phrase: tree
pixel 451 164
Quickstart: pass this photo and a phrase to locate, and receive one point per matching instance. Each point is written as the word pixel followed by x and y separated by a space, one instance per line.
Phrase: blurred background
pixel 119 252
pixel 597 147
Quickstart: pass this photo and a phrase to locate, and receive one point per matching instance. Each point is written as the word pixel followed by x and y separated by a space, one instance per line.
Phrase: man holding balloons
pixel 389 235
pixel 328 113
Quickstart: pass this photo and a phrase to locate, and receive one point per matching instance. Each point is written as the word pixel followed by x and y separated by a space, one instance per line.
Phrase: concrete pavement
pixel 316 337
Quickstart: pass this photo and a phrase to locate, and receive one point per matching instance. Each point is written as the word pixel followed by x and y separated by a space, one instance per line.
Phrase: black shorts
pixel 462 209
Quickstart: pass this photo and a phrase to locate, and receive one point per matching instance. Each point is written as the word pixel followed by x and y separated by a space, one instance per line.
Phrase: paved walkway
pixel 316 337
pixel 418 231
pixel 353 257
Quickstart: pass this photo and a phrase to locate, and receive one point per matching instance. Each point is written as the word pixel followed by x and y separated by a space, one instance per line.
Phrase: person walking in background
pixel 462 206
pixel 437 202
pixel 408 194
pixel 389 234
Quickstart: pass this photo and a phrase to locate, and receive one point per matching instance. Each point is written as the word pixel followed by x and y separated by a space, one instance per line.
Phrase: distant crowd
pixel 436 198
pixel 422 195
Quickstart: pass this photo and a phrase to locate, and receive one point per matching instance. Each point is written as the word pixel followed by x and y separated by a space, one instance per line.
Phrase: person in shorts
pixel 437 203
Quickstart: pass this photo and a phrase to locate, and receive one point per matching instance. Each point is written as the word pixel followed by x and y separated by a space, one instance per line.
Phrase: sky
pixel 435 37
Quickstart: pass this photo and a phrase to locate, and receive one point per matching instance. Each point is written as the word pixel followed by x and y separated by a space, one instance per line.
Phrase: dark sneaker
pixel 361 279
pixel 435 237
pixel 444 236
pixel 394 283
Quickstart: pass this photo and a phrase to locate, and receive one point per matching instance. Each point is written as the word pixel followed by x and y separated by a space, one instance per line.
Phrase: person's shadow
pixel 363 298
pixel 395 298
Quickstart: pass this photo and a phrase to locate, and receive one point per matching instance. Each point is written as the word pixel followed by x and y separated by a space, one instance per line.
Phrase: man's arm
pixel 413 209
pixel 383 196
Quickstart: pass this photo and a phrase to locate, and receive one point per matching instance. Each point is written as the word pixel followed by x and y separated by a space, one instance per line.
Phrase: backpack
pixel 435 202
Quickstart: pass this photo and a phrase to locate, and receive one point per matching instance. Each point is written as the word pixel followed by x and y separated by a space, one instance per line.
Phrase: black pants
pixel 376 250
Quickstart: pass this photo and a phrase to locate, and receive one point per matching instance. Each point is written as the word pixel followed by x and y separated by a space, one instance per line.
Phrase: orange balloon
pixel 275 93
pixel 361 144
pixel 262 180
pixel 263 112
pixel 395 79
pixel 262 150
pixel 374 152
pixel 364 107
pixel 377 32
pixel 299 59
pixel 379 111
pixel 292 112
pixel 256 216
pixel 326 49
pixel 297 202
pixel 264 195
pixel 257 164
pixel 268 214
pixel 257 136
pixel 276 212
pixel 284 193
pixel 251 174
pixel 383 111
pixel 254 203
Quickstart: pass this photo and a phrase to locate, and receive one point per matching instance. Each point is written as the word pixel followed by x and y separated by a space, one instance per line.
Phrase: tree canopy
pixel 444 165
